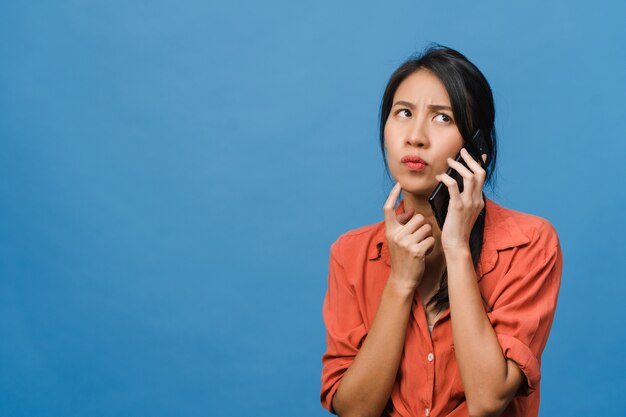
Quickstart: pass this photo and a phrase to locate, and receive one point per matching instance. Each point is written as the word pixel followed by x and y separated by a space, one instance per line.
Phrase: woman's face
pixel 420 127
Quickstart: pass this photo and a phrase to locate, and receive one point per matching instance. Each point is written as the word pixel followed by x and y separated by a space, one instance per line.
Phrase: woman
pixel 416 325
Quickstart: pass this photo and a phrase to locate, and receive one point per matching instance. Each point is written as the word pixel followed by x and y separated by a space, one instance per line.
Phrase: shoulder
pixel 518 248
pixel 358 240
pixel 504 224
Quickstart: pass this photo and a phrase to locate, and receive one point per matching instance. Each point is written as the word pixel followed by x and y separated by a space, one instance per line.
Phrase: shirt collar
pixel 501 232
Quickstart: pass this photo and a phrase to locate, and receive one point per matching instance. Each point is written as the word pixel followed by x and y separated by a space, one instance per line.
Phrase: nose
pixel 417 134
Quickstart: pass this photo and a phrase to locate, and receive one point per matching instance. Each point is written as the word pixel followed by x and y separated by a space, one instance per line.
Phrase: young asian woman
pixel 422 320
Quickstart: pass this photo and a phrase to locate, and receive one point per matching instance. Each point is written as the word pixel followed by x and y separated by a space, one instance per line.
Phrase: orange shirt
pixel 519 275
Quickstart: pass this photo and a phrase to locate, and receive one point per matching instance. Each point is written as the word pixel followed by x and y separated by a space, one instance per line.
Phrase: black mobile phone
pixel 440 198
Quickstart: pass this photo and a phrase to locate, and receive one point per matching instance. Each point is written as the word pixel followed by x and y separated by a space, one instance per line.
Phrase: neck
pixel 421 205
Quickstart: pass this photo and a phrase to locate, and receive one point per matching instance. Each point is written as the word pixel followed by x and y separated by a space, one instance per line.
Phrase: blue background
pixel 172 174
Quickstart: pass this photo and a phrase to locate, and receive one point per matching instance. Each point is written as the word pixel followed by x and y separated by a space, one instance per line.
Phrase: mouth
pixel 414 163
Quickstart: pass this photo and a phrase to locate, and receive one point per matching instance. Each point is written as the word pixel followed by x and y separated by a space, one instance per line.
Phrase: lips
pixel 414 163
pixel 411 158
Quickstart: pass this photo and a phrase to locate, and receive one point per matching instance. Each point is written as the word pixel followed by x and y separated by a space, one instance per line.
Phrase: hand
pixel 464 208
pixel 409 239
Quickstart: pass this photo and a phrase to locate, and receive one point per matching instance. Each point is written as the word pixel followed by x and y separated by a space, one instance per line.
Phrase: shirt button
pixel 427 411
pixel 430 359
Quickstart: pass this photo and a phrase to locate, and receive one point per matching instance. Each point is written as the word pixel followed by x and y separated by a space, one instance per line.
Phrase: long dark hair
pixel 472 106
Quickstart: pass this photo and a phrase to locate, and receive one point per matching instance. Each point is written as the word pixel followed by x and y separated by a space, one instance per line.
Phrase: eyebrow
pixel 430 106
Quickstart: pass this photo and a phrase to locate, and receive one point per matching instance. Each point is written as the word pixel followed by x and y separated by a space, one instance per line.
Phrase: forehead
pixel 422 86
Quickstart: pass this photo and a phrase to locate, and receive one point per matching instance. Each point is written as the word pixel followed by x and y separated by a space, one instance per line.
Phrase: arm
pixel 490 380
pixel 497 351
pixel 366 386
pixel 359 378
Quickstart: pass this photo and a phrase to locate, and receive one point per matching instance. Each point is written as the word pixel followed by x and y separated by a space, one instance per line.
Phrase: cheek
pixel 450 150
pixel 387 132
pixel 391 136
pixel 454 145
pixel 388 138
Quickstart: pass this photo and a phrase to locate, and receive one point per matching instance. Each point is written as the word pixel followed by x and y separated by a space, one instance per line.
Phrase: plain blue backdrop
pixel 172 174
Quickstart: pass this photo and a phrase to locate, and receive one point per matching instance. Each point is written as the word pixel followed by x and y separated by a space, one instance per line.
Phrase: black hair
pixel 472 105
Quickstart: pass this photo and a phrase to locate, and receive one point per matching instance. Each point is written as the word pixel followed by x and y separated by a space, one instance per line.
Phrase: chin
pixel 417 189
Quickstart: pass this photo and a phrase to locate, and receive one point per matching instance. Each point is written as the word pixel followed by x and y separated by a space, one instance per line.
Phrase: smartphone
pixel 440 198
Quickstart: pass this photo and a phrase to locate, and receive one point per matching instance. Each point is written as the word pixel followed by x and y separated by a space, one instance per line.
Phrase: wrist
pixel 457 252
pixel 400 288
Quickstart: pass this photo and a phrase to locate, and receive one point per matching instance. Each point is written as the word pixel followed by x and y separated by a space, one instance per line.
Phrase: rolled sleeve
pixel 345 329
pixel 523 312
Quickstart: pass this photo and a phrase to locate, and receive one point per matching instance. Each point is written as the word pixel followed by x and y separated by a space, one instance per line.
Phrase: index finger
pixel 471 162
pixel 388 208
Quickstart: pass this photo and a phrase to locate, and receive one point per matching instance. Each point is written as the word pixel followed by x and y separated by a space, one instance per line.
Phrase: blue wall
pixel 172 174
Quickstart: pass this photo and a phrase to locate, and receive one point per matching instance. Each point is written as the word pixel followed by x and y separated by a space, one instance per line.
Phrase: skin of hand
pixel 365 387
pixel 490 380
pixel 464 208
pixel 409 243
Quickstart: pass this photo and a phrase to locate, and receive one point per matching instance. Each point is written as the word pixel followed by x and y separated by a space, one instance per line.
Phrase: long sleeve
pixel 345 329
pixel 525 302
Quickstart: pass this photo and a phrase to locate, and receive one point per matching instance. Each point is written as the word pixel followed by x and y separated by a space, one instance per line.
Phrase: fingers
pixel 419 242
pixel 473 164
pixel 473 177
pixel 422 248
pixel 389 206
pixel 459 167
pixel 412 229
pixel 413 226
pixel 422 233
pixel 453 187
pixel 426 246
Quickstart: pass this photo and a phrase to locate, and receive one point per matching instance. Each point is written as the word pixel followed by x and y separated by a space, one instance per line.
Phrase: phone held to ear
pixel 440 198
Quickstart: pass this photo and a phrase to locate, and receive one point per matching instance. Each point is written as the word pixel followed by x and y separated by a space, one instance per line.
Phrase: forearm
pixel 365 387
pixel 483 368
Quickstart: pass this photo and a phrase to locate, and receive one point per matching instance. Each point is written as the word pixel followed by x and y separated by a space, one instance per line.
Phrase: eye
pixel 443 118
pixel 403 113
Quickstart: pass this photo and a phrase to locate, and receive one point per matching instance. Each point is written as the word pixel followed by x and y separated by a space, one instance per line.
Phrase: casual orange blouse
pixel 519 275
